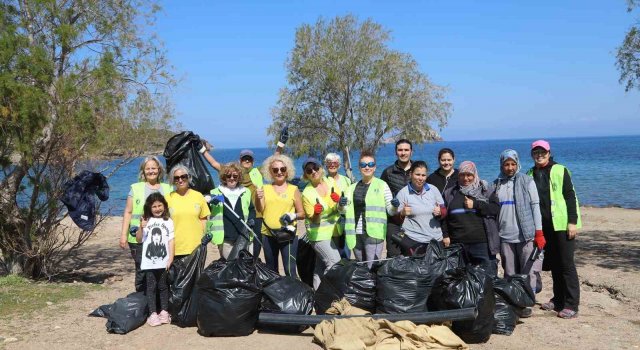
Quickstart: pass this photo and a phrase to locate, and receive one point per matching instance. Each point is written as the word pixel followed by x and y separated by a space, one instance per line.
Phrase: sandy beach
pixel 608 260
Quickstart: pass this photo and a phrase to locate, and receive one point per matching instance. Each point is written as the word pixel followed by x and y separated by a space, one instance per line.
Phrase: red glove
pixel 334 196
pixel 539 239
pixel 317 209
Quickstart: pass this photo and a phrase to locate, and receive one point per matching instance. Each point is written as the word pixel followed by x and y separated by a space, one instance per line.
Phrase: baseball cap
pixel 312 161
pixel 246 152
pixel 541 143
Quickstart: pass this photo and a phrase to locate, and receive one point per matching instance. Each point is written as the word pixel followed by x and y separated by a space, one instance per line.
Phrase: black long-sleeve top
pixel 542 176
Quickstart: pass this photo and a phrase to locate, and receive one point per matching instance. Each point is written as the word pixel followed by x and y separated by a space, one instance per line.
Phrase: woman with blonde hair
pixel 150 177
pixel 281 205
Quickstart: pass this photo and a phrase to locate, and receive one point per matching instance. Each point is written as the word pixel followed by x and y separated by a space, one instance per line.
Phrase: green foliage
pixel 348 90
pixel 628 56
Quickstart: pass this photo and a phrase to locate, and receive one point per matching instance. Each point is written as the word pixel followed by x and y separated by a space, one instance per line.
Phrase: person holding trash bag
pixel 189 212
pixel 280 204
pixel 366 207
pixel 472 207
pixel 150 175
pixel 519 221
pixel 223 226
pixel 560 223
pixel 422 207
pixel 320 203
pixel 250 178
pixel 446 176
pixel 340 183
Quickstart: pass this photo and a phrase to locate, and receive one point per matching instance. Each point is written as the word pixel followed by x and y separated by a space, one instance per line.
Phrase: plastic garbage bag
pixel 102 311
pixel 305 260
pixel 350 280
pixel 403 285
pixel 505 315
pixel 287 295
pixel 229 298
pixel 441 259
pixel 128 313
pixel 183 148
pixel 516 290
pixel 183 293
pixel 466 287
pixel 264 274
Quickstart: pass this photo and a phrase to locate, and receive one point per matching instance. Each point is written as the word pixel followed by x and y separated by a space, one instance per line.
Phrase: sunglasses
pixel 332 164
pixel 370 164
pixel 183 177
pixel 310 169
pixel 279 170
pixel 246 159
pixel 232 177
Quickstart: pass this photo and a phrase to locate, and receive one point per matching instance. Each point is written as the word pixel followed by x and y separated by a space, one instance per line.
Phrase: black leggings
pixel 136 254
pixel 157 282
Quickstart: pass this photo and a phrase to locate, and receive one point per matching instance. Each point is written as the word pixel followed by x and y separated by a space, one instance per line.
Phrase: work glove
pixel 350 241
pixel 199 144
pixel 287 219
pixel 343 200
pixel 133 230
pixel 206 239
pixel 334 196
pixel 539 239
pixel 217 199
pixel 317 209
pixel 284 136
pixel 395 202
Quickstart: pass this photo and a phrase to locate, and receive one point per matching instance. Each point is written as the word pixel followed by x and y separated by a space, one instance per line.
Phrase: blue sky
pixel 515 69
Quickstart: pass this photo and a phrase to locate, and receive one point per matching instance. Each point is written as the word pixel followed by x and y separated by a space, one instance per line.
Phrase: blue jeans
pixel 478 254
pixel 288 250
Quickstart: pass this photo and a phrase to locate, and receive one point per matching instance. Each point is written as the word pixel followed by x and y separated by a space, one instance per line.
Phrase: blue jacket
pixel 79 194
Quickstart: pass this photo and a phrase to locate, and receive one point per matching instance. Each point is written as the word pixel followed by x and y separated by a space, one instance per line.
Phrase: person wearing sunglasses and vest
pixel 321 211
pixel 150 175
pixel 189 212
pixel 560 223
pixel 223 226
pixel 339 185
pixel 280 204
pixel 366 206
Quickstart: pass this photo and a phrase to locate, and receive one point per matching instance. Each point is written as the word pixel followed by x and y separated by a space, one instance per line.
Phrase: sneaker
pixel 567 314
pixel 164 317
pixel 154 320
pixel 550 306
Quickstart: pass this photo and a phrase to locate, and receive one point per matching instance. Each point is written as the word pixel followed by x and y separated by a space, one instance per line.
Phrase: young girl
pixel 156 235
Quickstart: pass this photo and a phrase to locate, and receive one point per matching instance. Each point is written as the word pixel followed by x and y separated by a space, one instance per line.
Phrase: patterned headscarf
pixel 504 156
pixel 474 189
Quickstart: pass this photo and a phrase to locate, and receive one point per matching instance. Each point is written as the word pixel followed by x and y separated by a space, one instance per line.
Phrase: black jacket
pixel 79 194
pixel 442 182
pixel 395 177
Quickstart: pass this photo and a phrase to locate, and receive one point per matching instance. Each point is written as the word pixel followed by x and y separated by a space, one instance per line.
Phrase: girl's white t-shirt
pixel 155 244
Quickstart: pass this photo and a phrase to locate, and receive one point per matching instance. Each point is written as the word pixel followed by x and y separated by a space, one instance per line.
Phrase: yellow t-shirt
pixel 275 205
pixel 186 212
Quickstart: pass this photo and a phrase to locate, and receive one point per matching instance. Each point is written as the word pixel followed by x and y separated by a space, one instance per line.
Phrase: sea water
pixel 605 170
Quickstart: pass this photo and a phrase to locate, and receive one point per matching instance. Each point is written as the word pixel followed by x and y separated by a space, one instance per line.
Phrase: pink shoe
pixel 154 320
pixel 164 317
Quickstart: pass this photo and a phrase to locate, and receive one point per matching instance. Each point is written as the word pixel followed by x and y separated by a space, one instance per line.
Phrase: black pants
pixel 558 257
pixel 393 247
pixel 288 251
pixel 136 254
pixel 409 247
pixel 257 230
pixel 157 283
pixel 479 254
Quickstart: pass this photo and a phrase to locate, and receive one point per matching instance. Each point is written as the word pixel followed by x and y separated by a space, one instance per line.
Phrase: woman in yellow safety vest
pixel 150 175
pixel 369 202
pixel 321 211
pixel 340 184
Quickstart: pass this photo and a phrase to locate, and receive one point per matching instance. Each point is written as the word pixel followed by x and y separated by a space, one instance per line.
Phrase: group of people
pixel 516 216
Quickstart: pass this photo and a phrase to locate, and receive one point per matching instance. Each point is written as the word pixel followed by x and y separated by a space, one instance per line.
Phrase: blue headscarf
pixel 505 155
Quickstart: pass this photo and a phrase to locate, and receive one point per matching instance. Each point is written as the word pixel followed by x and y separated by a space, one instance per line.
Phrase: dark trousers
pixel 157 283
pixel 558 257
pixel 393 247
pixel 136 254
pixel 478 254
pixel 257 230
pixel 345 252
pixel 288 250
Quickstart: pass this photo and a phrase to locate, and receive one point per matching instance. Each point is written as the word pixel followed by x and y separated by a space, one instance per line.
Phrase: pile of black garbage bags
pixel 226 297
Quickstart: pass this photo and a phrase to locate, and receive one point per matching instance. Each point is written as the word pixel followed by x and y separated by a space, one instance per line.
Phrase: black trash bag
pixel 128 313
pixel 350 280
pixel 229 298
pixel 461 288
pixel 183 293
pixel 102 311
pixel 264 273
pixel 505 315
pixel 287 295
pixel 403 285
pixel 305 261
pixel 183 148
pixel 516 290
pixel 441 259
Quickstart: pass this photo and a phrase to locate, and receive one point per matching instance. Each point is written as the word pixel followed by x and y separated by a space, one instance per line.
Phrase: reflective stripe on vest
pixel 323 230
pixel 559 213
pixel 375 213
pixel 215 224
pixel 138 199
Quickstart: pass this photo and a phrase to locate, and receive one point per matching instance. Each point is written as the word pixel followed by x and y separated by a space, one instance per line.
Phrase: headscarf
pixel 506 155
pixel 473 190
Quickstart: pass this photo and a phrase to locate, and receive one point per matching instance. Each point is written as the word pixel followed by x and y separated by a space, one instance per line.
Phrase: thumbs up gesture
pixel 317 209
pixel 406 210
pixel 343 200
pixel 334 196
pixel 468 202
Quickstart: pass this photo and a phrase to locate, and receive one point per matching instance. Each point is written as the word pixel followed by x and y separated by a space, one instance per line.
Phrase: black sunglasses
pixel 310 169
pixel 247 159
pixel 370 164
pixel 279 170
pixel 184 177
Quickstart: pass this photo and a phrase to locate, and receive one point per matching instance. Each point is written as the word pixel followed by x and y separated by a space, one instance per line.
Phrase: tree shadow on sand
pixel 94 265
pixel 618 250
